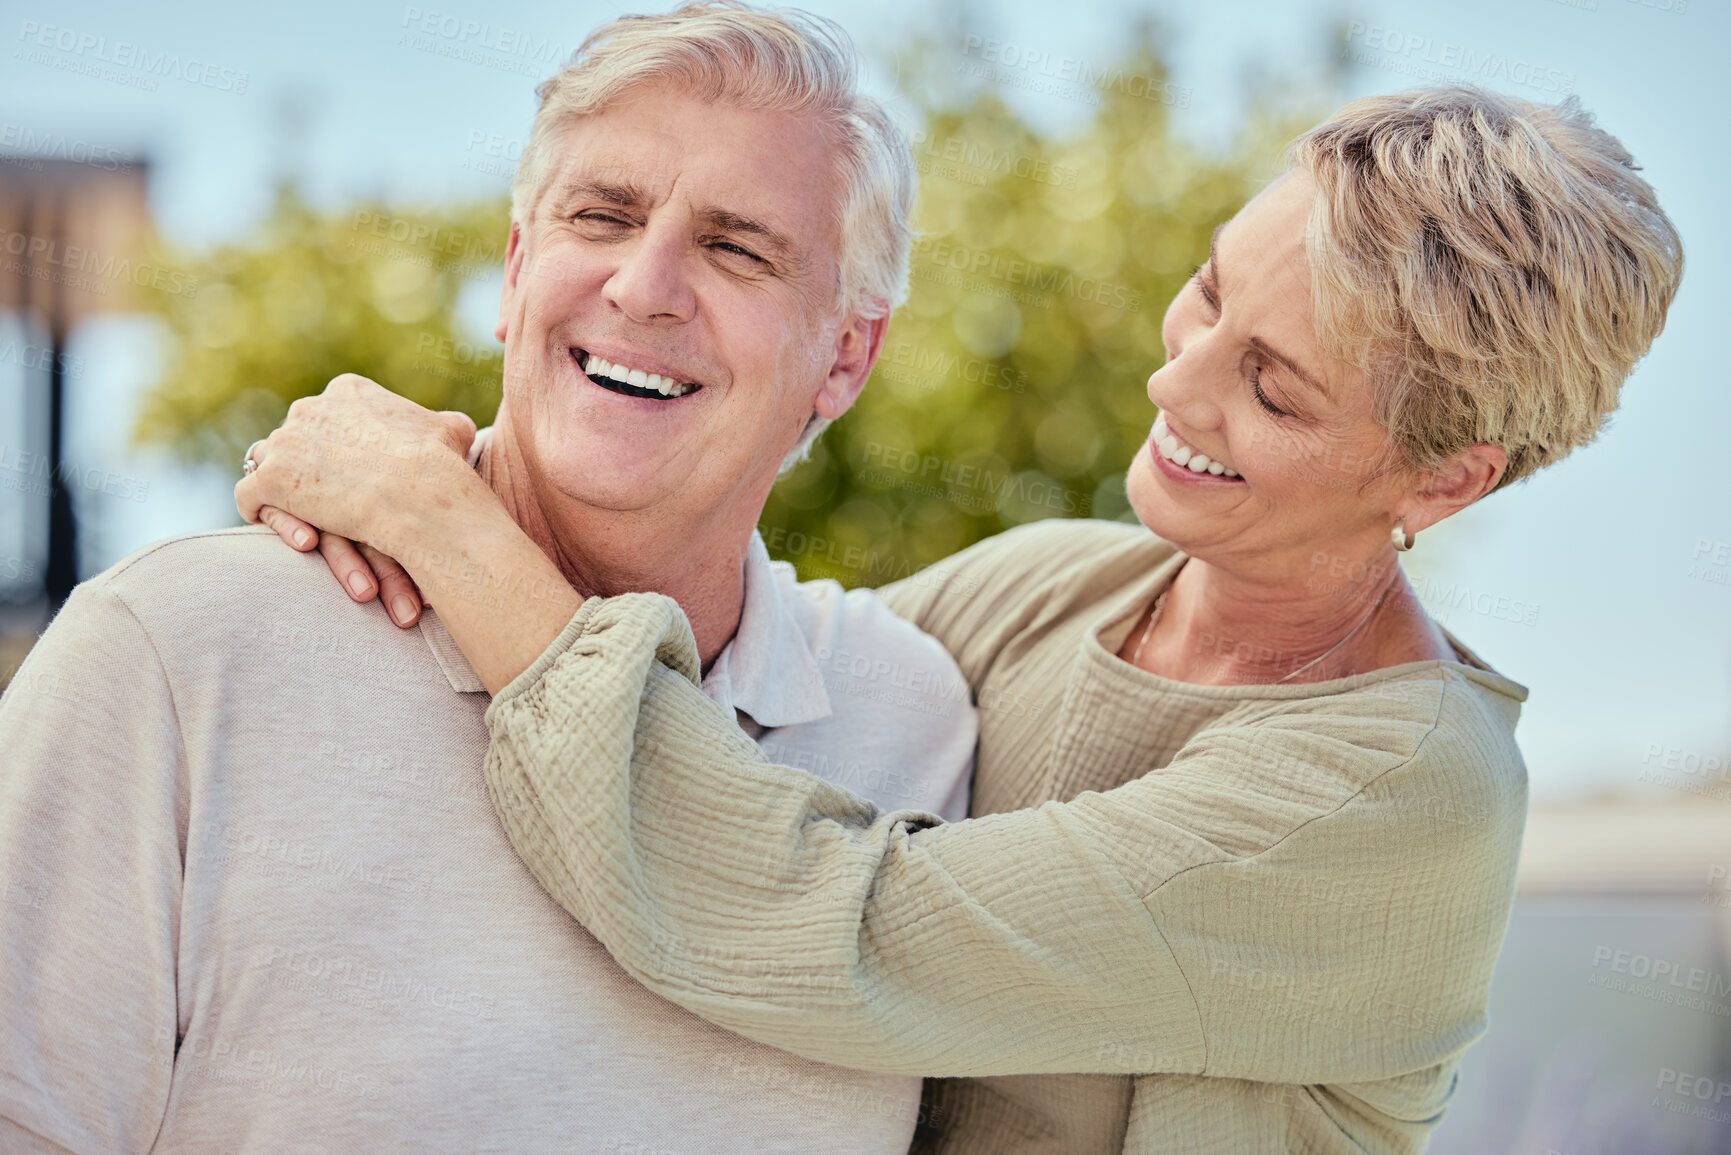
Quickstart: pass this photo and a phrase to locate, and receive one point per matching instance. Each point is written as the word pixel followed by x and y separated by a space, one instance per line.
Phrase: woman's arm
pixel 1315 935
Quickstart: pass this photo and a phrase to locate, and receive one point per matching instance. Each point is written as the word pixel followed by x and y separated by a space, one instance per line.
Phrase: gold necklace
pixel 1160 604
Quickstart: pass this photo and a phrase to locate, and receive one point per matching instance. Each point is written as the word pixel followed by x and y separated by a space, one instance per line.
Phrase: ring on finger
pixel 250 463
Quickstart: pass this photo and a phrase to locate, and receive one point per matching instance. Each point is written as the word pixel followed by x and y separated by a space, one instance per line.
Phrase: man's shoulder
pixel 209 586
pixel 214 565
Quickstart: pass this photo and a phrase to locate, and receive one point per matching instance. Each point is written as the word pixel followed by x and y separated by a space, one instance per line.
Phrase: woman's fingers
pixel 349 567
pixel 295 532
pixel 402 597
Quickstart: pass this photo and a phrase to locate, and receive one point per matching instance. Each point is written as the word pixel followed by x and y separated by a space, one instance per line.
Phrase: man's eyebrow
pixel 621 194
pixel 727 221
pixel 1304 376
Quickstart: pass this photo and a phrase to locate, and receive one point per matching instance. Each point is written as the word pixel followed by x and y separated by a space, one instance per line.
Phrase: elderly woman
pixel 1245 820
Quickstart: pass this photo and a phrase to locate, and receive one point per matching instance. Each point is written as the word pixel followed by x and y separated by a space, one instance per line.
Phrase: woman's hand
pixel 349 463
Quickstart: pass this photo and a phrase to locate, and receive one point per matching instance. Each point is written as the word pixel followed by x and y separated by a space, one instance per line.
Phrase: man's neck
pixel 605 552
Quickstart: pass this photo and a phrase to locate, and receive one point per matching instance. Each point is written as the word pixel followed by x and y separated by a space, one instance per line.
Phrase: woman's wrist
pixel 500 596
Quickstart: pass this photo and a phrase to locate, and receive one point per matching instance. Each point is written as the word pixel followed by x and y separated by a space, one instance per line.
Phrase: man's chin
pixel 588 483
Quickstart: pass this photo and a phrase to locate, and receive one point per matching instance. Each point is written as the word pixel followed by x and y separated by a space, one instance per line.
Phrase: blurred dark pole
pixel 75 231
pixel 61 572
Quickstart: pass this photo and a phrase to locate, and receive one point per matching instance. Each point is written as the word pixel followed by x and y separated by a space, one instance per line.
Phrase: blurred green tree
pixel 373 291
pixel 1012 383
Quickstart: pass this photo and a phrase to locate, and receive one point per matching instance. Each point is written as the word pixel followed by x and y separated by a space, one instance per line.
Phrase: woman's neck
pixel 1217 628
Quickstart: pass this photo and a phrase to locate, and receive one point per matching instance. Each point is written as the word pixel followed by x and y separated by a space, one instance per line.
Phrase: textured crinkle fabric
pixel 1183 918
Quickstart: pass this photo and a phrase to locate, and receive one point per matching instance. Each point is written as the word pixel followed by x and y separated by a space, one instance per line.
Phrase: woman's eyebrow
pixel 1212 272
pixel 1291 366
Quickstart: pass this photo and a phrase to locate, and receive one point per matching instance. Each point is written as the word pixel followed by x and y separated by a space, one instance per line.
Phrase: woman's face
pixel 1246 385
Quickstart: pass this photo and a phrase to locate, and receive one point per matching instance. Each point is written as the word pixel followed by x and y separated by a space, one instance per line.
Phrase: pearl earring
pixel 1400 538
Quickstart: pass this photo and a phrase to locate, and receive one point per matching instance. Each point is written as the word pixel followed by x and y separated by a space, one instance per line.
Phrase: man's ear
pixel 857 345
pixel 1467 476
pixel 513 271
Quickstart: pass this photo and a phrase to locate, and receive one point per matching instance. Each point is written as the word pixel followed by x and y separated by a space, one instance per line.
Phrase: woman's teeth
pixel 1183 455
pixel 637 378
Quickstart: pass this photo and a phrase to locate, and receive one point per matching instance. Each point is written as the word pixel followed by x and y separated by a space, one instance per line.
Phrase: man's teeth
pixel 666 386
pixel 1184 455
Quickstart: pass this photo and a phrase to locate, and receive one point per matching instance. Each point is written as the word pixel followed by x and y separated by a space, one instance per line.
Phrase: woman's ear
pixel 1462 480
pixel 857 345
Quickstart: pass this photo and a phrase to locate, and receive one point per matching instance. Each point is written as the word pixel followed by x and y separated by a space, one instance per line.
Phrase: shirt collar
pixel 768 670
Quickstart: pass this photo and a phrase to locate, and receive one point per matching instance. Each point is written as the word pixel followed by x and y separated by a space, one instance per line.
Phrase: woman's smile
pixel 1181 461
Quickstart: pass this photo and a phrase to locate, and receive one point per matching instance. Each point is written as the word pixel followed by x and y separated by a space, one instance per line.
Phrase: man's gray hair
pixel 770 58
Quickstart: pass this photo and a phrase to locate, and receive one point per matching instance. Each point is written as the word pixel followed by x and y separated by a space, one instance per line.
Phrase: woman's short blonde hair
pixel 780 59
pixel 1496 266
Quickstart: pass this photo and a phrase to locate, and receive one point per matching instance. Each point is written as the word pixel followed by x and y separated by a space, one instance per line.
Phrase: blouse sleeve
pixel 1111 933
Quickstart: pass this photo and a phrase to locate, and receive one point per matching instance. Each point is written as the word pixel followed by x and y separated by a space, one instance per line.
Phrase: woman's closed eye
pixel 1261 397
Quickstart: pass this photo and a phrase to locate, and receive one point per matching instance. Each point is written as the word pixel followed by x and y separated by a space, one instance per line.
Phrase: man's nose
pixel 652 282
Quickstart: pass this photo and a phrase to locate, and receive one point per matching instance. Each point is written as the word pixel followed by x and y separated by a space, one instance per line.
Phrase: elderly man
pixel 256 895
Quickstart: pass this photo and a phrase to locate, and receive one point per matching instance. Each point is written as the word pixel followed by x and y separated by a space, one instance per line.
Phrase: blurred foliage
pixel 372 291
pixel 1012 384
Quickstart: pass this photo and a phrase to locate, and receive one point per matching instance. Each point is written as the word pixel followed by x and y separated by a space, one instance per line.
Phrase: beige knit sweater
pixel 1182 919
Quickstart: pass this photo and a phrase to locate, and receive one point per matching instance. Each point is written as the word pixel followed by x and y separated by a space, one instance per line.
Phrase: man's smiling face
pixel 670 312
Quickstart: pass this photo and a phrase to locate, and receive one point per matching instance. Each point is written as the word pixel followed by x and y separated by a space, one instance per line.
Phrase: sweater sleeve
pixel 91 844
pixel 1067 938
